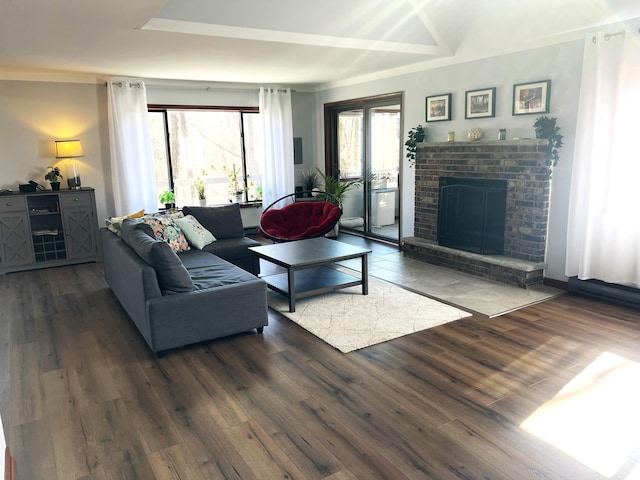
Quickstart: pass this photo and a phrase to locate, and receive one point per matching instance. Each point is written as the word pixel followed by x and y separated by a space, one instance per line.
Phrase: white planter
pixel 202 202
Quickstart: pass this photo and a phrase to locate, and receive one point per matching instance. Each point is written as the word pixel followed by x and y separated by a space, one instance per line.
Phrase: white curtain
pixel 130 141
pixel 603 239
pixel 277 134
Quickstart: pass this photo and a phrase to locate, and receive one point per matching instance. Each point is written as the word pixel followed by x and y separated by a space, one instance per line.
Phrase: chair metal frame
pixel 297 197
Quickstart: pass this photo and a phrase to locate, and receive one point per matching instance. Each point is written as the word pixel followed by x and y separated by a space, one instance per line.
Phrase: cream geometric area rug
pixel 348 320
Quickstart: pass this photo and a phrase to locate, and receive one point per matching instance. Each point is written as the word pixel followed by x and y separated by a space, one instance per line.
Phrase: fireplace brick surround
pixel 522 164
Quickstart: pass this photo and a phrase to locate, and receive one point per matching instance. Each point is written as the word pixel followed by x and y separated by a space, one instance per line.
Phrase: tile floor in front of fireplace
pixel 468 292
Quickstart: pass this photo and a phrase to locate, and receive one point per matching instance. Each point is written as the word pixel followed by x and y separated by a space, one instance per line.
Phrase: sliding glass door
pixel 364 143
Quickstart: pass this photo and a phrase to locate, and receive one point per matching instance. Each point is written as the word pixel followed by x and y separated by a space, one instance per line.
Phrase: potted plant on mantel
pixel 546 128
pixel 53 176
pixel 416 135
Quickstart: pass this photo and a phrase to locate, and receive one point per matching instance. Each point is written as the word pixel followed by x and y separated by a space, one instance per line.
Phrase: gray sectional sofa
pixel 176 299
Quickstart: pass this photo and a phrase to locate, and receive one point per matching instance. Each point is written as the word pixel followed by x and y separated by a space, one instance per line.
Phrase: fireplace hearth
pixel 521 169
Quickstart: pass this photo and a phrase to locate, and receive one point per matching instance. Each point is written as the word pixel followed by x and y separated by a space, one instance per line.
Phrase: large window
pixel 212 144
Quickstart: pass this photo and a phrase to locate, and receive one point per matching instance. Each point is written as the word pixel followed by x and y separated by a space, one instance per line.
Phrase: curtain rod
pixel 607 36
pixel 121 84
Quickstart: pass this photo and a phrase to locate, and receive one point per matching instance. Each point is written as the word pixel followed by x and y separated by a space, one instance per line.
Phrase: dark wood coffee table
pixel 310 266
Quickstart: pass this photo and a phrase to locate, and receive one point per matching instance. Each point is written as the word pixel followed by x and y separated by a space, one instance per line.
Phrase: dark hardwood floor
pixel 82 397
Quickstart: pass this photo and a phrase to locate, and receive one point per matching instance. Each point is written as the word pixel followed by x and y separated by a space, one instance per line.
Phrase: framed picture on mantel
pixel 439 108
pixel 531 98
pixel 480 103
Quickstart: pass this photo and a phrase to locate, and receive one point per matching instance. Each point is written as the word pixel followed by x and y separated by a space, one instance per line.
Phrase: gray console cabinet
pixel 46 229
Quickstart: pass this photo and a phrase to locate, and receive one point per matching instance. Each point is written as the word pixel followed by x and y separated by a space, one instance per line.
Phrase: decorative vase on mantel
pixel 474 134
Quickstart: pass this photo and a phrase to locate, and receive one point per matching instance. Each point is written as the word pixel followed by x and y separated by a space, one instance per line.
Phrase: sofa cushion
pixel 209 271
pixel 232 248
pixel 114 224
pixel 197 236
pixel 173 277
pixel 130 225
pixel 222 222
pixel 165 229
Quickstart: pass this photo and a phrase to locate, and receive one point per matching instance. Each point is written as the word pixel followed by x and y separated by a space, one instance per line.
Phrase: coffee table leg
pixel 365 275
pixel 292 290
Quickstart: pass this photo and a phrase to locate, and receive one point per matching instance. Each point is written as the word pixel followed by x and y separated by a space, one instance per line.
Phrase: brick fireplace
pixel 522 165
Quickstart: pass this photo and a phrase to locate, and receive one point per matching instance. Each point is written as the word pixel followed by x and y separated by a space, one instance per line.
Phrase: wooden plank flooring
pixel 82 397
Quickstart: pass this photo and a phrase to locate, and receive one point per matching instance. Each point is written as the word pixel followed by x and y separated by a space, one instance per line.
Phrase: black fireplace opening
pixel 471 214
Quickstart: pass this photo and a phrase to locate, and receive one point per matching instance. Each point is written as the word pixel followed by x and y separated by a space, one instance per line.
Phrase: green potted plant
pixel 201 187
pixel 335 191
pixel 236 184
pixel 335 188
pixel 53 176
pixel 546 128
pixel 310 181
pixel 416 135
pixel 167 198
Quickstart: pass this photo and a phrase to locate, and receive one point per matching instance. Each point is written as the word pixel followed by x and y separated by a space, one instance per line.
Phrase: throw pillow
pixel 196 234
pixel 165 228
pixel 114 224
pixel 222 222
pixel 131 224
pixel 171 273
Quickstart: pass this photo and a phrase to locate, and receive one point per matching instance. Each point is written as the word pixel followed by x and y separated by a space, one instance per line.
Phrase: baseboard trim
pixel 552 282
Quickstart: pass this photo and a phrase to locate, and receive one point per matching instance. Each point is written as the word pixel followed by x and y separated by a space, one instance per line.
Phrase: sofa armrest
pixel 132 280
pixel 177 320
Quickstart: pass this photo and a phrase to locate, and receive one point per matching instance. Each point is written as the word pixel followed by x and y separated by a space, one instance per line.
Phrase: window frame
pixel 165 108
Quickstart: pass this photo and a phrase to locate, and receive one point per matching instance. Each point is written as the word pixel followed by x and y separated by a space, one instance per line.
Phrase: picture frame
pixel 480 103
pixel 438 108
pixel 531 98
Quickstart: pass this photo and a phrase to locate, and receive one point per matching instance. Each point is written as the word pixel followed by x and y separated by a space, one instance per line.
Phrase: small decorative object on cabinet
pixel 53 176
pixel 48 229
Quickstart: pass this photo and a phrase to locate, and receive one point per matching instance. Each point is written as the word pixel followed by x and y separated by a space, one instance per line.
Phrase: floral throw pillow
pixel 165 228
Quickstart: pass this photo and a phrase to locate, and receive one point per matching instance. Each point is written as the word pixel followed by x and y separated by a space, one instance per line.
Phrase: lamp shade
pixel 68 148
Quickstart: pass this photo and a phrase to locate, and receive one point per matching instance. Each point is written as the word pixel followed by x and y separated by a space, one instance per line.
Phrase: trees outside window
pixel 207 143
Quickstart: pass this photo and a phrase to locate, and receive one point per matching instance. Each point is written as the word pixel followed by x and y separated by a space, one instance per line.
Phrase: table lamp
pixel 69 149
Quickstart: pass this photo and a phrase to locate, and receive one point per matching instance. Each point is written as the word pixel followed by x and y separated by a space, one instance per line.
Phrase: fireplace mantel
pixel 522 163
pixel 524 142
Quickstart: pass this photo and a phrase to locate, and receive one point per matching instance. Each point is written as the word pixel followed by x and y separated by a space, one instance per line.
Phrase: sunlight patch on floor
pixel 595 418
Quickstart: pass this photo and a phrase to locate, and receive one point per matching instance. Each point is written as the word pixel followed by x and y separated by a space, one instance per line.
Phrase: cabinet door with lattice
pixel 15 234
pixel 80 230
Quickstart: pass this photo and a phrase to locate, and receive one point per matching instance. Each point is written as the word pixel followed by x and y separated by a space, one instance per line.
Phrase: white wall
pixel 34 114
pixel 562 64
pixel 201 95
